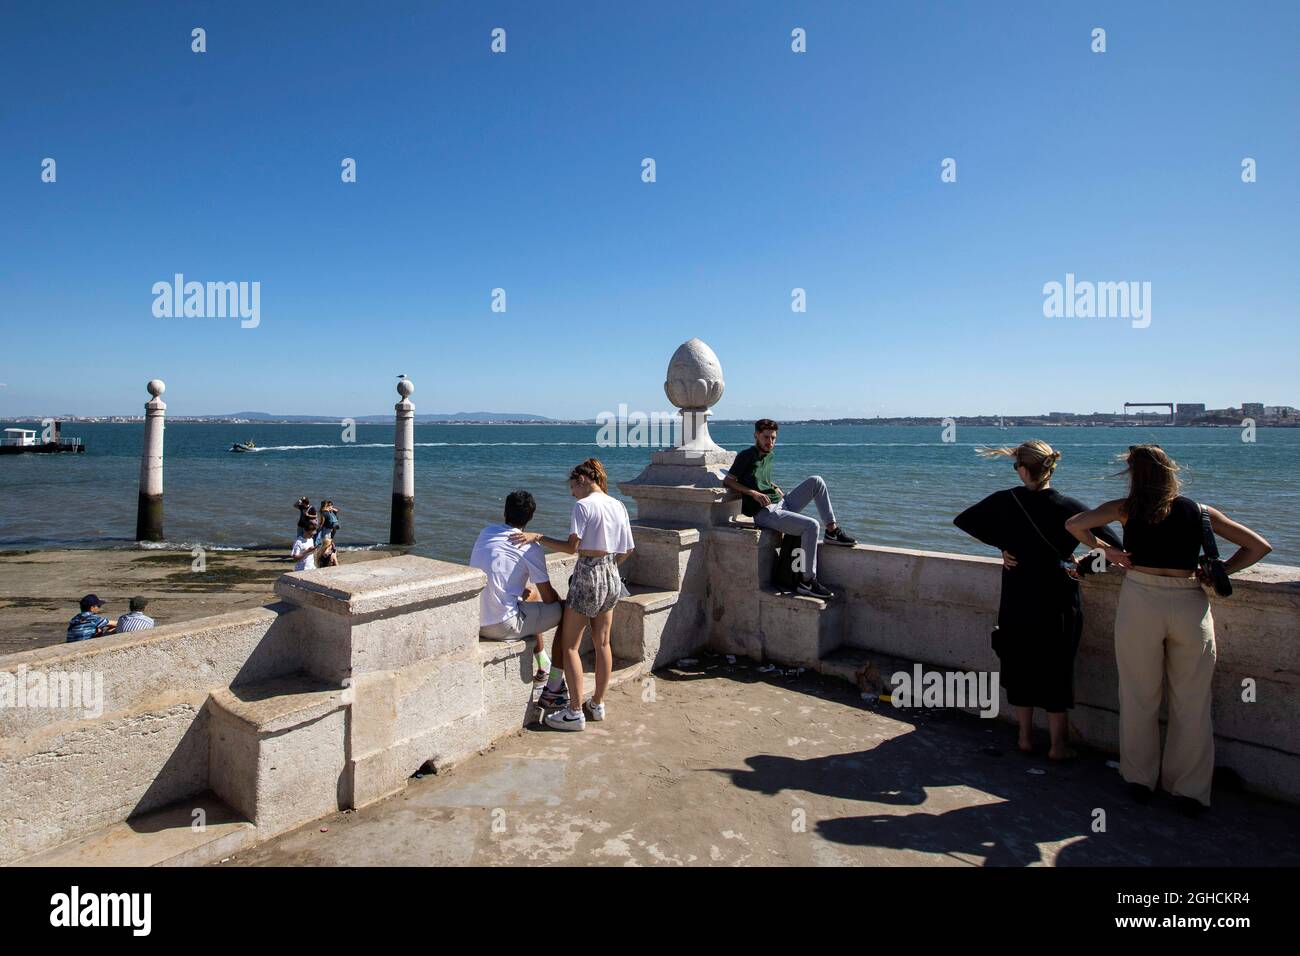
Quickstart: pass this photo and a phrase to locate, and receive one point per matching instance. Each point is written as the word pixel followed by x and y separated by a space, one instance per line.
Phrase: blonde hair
pixel 593 471
pixel 1035 456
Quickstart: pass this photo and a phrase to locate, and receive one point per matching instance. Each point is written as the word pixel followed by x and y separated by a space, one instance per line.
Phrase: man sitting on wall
pixel 135 619
pixel 508 608
pixel 750 476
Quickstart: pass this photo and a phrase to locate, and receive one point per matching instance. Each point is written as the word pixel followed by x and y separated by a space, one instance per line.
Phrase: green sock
pixel 556 678
pixel 543 662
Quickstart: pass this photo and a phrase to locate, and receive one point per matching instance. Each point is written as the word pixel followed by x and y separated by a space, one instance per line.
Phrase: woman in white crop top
pixel 600 533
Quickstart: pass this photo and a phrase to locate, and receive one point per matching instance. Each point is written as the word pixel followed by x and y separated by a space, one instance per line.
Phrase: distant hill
pixel 466 417
pixel 372 419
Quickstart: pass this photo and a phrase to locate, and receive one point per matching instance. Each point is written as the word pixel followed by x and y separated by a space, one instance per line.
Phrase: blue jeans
pixel 784 516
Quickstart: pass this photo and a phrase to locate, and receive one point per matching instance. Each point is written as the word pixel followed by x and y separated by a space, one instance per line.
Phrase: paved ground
pixel 729 766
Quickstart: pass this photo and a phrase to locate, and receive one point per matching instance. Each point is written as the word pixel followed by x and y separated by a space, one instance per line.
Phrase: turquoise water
pixel 897 486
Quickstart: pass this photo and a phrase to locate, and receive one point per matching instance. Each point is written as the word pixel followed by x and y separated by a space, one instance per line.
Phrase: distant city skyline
pixel 918 180
pixel 1199 408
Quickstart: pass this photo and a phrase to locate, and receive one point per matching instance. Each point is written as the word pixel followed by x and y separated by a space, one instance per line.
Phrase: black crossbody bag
pixel 1050 547
pixel 1211 565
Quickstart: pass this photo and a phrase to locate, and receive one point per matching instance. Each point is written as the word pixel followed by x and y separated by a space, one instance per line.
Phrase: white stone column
pixel 149 510
pixel 401 529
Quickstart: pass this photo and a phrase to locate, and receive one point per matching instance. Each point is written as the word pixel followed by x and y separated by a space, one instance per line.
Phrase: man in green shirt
pixel 750 476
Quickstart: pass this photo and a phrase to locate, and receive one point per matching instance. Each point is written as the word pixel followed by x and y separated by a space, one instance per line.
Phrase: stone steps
pixel 845 663
pixel 662 555
pixel 269 746
pixel 165 837
pixel 799 630
pixel 639 622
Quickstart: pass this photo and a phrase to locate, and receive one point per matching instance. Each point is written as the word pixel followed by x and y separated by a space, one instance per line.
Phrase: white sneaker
pixel 566 719
pixel 595 711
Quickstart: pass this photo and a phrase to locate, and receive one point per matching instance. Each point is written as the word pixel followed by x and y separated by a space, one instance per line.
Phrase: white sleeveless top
pixel 601 524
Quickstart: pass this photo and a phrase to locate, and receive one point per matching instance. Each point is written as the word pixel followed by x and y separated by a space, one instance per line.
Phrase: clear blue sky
pixel 523 171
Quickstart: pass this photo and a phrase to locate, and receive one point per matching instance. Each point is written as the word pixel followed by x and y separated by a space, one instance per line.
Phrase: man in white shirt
pixel 136 620
pixel 505 611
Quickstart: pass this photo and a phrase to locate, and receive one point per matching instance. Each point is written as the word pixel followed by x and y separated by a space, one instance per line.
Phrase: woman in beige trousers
pixel 1163 626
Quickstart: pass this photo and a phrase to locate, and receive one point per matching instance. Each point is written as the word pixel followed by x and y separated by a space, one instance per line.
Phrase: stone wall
pixel 65 774
pixel 325 700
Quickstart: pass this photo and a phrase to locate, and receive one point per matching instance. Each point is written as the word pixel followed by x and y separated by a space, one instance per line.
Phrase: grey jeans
pixel 784 516
pixel 533 617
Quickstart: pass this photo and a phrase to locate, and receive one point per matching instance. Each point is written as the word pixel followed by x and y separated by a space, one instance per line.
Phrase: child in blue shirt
pixel 89 623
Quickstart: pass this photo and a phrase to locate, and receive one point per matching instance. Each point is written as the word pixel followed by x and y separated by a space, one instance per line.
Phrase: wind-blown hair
pixel 1152 483
pixel 1035 456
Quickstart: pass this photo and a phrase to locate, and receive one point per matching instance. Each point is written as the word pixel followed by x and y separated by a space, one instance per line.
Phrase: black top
pixel 753 469
pixel 1172 543
pixel 1003 520
pixel 1040 613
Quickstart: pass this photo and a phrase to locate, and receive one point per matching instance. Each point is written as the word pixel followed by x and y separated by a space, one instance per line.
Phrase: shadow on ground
pixel 1008 804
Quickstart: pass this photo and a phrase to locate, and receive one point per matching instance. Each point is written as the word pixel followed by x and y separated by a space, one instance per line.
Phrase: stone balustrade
pixel 361 675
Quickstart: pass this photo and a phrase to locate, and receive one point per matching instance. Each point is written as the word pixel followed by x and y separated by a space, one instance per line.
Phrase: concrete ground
pixel 729 766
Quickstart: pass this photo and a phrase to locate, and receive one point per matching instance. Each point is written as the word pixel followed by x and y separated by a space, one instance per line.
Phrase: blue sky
pixel 522 170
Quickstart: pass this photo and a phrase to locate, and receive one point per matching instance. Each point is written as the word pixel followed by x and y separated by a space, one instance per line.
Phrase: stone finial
pixel 694 376
pixel 156 387
pixel 694 383
pixel 405 387
pixel 683 485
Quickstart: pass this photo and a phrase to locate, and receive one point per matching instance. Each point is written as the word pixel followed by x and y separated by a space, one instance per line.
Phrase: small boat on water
pixel 243 446
pixel 17 441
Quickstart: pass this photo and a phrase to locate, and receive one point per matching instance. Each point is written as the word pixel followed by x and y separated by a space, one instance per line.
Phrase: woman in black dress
pixel 1040 619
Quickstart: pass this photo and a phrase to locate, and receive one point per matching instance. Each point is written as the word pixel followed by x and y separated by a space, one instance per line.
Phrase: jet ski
pixel 243 446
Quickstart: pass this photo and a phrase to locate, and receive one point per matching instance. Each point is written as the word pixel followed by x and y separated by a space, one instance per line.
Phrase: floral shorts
pixel 595 586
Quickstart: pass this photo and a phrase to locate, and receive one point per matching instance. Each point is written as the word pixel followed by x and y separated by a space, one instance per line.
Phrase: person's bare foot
pixel 1026 746
pixel 1062 753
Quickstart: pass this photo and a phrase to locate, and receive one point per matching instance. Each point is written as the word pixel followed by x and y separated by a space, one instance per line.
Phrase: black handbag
pixel 1211 566
pixel 783 573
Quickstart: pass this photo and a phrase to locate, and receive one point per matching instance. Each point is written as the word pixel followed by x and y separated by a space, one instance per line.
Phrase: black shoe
pixel 1139 793
pixel 813 588
pixel 839 537
pixel 1188 806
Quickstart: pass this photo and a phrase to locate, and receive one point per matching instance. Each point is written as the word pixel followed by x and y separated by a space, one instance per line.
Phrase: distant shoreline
pixel 978 421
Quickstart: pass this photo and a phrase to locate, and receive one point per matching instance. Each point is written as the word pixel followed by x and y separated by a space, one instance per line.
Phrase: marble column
pixel 149 509
pixel 401 529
